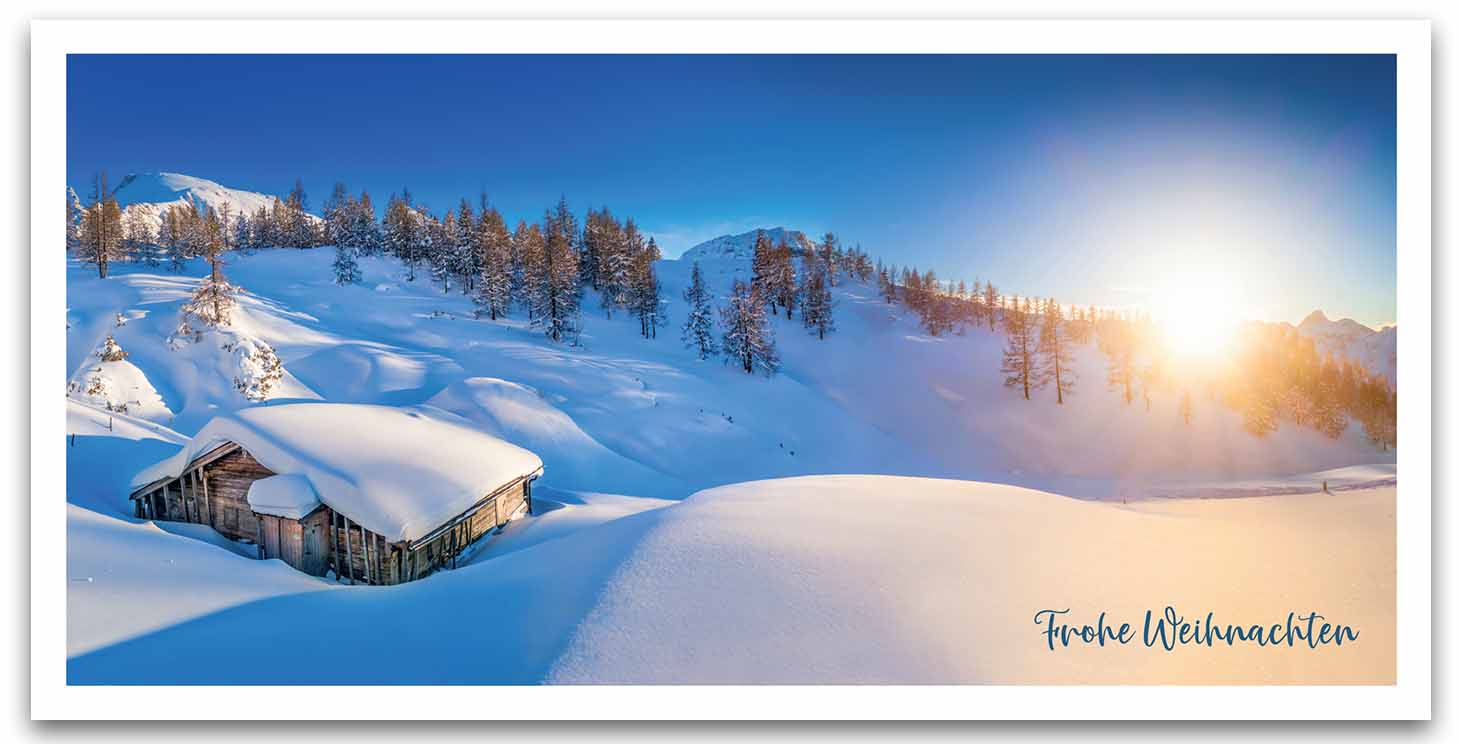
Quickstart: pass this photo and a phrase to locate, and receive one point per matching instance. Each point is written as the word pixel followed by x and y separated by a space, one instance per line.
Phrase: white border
pixel 1410 40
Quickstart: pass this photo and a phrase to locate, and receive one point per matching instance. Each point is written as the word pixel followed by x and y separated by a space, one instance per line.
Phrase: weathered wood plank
pixel 349 550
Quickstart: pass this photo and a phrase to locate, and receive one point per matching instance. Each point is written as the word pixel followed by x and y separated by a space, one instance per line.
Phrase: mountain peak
pixel 1313 318
pixel 741 246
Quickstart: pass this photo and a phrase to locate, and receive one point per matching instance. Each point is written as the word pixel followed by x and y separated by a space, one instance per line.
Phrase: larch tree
pixel 748 339
pixel 1021 368
pixel 213 301
pixel 101 227
pixel 1054 353
pixel 1118 340
pixel 494 246
pixel 698 333
pixel 556 308
pixel 816 305
pixel 646 297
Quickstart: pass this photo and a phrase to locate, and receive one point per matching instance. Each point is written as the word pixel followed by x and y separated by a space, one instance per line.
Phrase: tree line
pixel 541 269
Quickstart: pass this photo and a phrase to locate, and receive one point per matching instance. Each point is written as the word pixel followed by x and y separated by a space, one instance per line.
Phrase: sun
pixel 1198 317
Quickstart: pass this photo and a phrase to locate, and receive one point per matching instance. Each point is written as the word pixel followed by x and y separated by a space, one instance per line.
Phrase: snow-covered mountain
pixel 151 194
pixel 1376 351
pixel 166 189
pixel 742 246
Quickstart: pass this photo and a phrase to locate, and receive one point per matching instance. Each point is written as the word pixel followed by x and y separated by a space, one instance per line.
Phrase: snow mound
pixel 396 471
pixel 884 580
pixel 521 415
pixel 742 246
pixel 288 496
pixel 117 385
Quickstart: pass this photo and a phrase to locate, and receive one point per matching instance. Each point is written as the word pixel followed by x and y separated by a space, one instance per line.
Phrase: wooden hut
pixel 371 494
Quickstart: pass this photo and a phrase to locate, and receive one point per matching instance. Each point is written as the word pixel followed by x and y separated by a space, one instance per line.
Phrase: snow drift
pixel 838 579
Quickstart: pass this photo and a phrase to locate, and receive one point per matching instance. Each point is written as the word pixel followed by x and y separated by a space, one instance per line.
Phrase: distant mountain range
pixel 1376 350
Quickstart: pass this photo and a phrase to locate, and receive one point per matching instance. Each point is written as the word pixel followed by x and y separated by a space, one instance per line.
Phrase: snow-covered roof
pixel 396 471
pixel 289 496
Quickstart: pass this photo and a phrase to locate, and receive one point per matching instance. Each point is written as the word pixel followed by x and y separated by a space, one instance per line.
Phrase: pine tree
pixel 748 338
pixel 699 318
pixel 298 225
pixel 830 254
pixel 762 269
pixel 212 303
pixel 886 287
pixel 556 309
pixel 1021 368
pixel 402 230
pixel 494 244
pixel 816 304
pixel 529 260
pixel 783 272
pixel 646 295
pixel 1053 350
pixel 442 251
pixel 346 269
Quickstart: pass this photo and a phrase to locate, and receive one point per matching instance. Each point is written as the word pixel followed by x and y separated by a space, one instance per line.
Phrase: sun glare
pixel 1197 318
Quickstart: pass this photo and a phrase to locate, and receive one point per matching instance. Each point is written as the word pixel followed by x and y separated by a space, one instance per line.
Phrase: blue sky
pixel 1270 179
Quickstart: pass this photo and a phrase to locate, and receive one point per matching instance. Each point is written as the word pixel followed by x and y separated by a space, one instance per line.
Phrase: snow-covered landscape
pixel 884 507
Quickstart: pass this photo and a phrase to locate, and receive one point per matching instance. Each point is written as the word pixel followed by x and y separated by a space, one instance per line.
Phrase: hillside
pixel 1376 351
pixel 616 576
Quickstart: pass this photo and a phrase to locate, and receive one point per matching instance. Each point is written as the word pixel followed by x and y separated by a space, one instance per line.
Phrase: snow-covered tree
pixel 783 279
pixel 213 301
pixel 645 295
pixel 817 307
pixel 442 250
pixel 748 338
pixel 346 268
pixel 259 368
pixel 111 351
pixel 494 247
pixel 698 331
pixel 556 301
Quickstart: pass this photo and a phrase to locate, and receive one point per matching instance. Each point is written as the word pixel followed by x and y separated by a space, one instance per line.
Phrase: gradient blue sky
pixel 1096 179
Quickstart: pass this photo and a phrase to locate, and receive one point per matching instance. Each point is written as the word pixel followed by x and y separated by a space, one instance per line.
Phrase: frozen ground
pixel 618 578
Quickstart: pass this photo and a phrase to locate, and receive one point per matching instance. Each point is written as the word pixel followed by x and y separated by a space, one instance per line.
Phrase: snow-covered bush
pixel 111 351
pixel 259 368
pixel 183 334
pixel 99 389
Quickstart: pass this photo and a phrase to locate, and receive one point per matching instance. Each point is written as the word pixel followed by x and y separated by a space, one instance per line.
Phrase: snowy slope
pixel 627 428
pixel 878 396
pixel 742 246
pixel 844 579
pixel 1376 351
